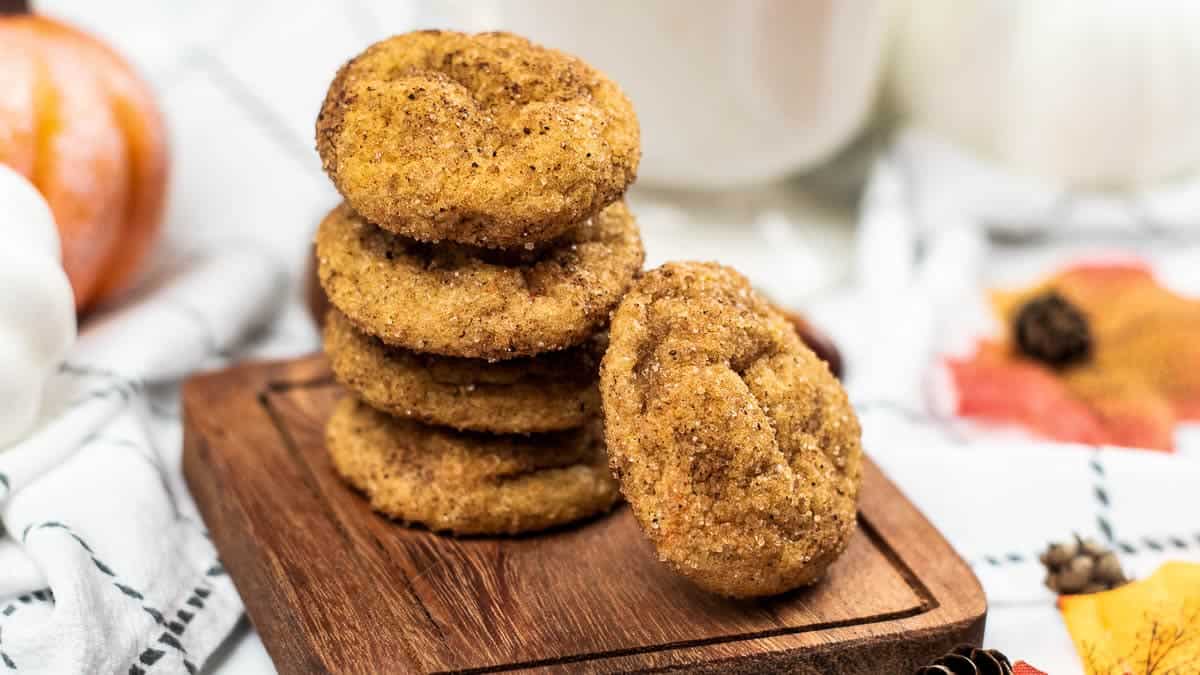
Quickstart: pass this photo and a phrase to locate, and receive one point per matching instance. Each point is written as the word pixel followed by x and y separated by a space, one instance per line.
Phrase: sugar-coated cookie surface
pixel 550 392
pixel 482 139
pixel 737 449
pixel 469 483
pixel 458 300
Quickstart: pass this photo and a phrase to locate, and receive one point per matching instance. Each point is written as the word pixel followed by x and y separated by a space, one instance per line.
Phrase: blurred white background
pixel 760 122
pixel 241 83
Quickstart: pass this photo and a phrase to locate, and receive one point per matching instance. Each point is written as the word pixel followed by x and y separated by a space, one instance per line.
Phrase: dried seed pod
pixel 1060 553
pixel 1071 582
pixel 1051 582
pixel 1108 569
pixel 1081 566
pixel 1050 329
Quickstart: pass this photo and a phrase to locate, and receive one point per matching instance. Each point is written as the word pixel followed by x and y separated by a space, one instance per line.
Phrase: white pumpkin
pixel 1093 94
pixel 37 308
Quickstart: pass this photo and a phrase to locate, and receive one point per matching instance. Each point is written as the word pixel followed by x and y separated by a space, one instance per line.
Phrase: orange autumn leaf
pixel 1022 668
pixel 1142 380
pixel 1147 627
pixel 1007 390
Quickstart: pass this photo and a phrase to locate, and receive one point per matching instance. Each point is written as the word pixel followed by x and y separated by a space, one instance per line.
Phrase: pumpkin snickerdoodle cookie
pixel 457 300
pixel 735 446
pixel 469 483
pixel 484 139
pixel 550 392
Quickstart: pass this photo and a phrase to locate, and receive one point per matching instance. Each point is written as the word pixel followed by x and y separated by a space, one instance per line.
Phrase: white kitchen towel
pixel 106 566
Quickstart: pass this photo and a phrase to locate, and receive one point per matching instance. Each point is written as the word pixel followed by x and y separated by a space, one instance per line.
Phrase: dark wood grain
pixel 332 587
pixel 8 7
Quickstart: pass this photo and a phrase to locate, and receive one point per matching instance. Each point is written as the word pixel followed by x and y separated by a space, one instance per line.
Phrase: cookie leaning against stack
pixel 472 269
pixel 737 450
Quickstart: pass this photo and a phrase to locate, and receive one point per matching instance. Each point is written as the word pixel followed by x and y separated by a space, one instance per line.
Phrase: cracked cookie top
pixel 484 139
pixel 458 300
pixel 736 447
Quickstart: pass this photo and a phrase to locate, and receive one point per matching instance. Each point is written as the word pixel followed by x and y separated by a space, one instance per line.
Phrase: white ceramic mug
pixel 727 92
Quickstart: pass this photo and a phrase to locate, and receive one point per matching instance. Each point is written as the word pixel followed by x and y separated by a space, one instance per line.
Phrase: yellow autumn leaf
pixel 1148 627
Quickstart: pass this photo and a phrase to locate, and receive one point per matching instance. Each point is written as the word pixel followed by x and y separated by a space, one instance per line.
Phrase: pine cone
pixel 1082 566
pixel 1050 329
pixel 968 660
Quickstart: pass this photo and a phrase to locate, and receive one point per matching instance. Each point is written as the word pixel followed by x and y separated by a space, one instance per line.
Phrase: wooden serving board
pixel 331 587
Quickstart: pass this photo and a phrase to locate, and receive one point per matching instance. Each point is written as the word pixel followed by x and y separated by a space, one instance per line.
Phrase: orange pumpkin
pixel 84 128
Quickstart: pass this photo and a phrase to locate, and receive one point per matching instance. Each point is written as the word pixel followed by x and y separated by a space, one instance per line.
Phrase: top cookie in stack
pixel 486 139
pixel 473 266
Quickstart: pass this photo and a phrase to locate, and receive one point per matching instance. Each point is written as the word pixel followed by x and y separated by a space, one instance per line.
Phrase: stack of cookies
pixel 472 268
